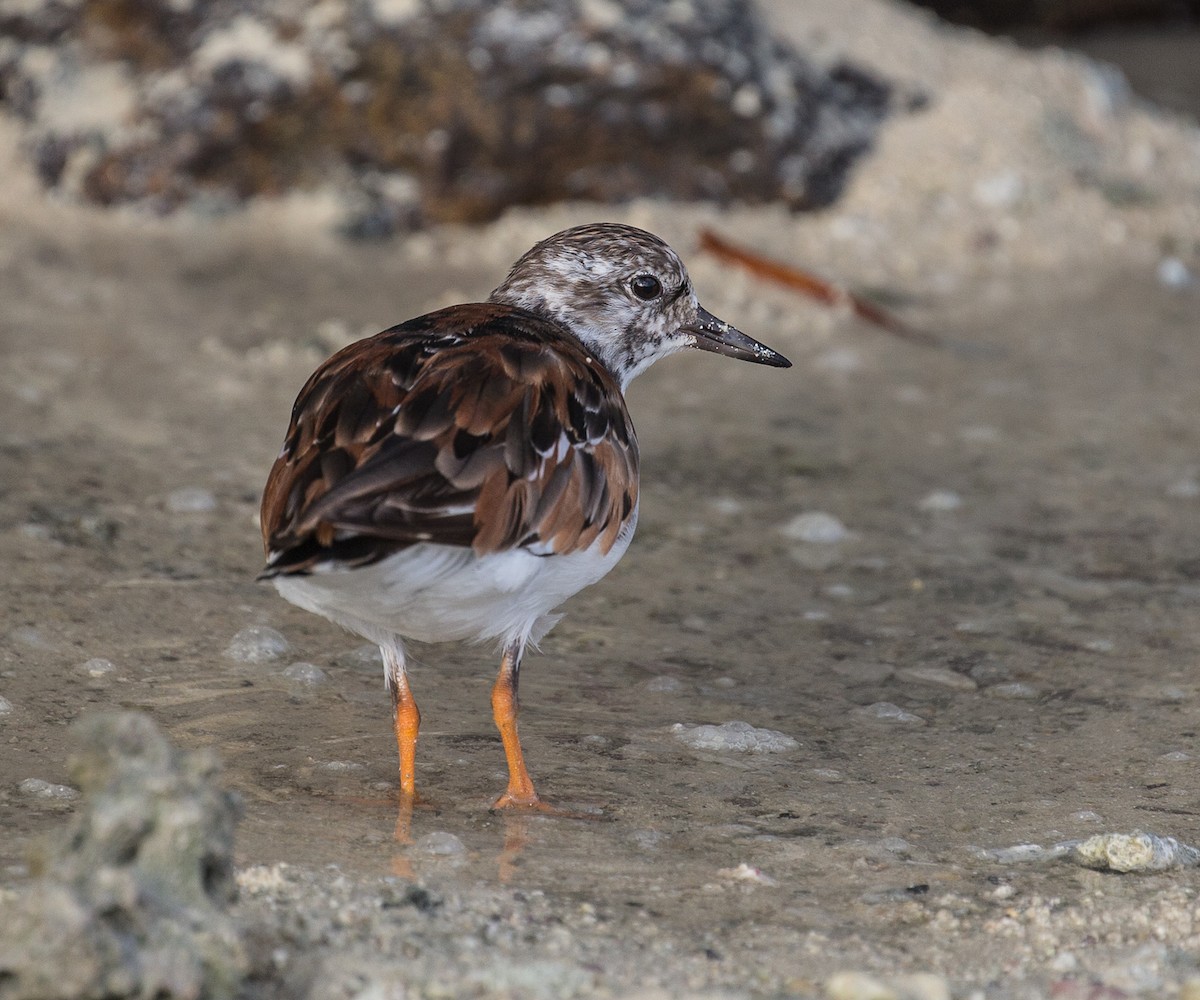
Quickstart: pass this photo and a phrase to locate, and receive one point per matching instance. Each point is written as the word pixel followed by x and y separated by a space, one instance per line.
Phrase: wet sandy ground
pixel 1020 578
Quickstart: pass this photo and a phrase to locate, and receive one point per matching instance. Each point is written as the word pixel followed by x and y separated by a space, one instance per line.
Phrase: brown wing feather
pixel 479 425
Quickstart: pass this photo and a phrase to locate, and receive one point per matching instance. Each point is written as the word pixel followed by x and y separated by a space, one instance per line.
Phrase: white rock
pixel 885 711
pixel 46 790
pixel 441 844
pixel 1014 691
pixel 940 500
pixel 816 528
pixel 6 706
pixel 191 500
pixel 1173 273
pixel 308 674
pixel 939 676
pixel 740 737
pixel 97 667
pixel 257 644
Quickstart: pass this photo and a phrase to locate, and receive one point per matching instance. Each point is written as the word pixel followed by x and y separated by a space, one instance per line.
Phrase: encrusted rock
pixel 131 902
pixel 421 111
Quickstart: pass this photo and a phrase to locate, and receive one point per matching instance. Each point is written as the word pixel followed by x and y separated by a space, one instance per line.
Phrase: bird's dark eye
pixel 646 287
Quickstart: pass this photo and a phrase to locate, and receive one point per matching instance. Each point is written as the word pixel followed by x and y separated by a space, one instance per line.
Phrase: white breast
pixel 439 593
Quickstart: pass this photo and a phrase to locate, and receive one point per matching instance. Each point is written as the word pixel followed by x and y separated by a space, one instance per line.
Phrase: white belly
pixel 439 593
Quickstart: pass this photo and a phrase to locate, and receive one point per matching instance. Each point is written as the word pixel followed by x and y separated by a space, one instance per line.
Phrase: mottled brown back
pixel 481 426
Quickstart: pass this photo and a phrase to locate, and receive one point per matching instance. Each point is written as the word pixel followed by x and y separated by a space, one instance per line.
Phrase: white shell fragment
pixel 740 737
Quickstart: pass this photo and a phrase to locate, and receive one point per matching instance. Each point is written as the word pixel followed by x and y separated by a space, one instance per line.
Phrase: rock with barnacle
pixel 131 902
pixel 422 112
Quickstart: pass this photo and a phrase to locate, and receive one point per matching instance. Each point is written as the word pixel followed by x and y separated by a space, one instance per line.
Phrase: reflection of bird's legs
pixel 520 791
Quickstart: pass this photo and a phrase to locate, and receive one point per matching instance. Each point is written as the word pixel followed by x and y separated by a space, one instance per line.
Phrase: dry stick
pixel 809 284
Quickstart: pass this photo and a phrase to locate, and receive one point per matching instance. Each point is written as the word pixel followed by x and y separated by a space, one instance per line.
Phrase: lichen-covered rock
pixel 427 111
pixel 131 902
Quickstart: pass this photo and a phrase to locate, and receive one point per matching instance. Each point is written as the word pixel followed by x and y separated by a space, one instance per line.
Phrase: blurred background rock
pixel 410 112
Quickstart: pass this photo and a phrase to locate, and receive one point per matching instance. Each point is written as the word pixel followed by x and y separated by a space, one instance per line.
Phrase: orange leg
pixel 520 791
pixel 406 718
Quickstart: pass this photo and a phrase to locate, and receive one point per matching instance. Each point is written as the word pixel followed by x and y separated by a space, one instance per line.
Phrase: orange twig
pixel 812 286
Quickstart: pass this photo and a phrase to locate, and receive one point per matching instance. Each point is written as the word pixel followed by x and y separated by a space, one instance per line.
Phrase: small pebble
pixel 746 873
pixel 46 790
pixel 366 655
pixel 1002 190
pixel 885 711
pixel 191 500
pixel 5 706
pixel 842 591
pixel 1184 489
pixel 740 737
pixel 815 528
pixel 940 500
pixel 1014 691
pixel 440 844
pixel 342 766
pixel 939 676
pixel 663 685
pixel 858 986
pixel 308 674
pixel 1173 273
pixel 29 635
pixel 97 667
pixel 1100 645
pixel 257 644
pixel 1176 757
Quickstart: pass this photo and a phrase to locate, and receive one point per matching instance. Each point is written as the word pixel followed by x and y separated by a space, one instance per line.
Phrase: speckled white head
pixel 625 295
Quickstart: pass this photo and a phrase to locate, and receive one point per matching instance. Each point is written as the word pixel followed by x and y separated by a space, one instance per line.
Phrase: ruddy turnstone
pixel 459 476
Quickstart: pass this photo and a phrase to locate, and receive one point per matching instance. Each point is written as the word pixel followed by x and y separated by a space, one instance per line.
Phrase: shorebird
pixel 459 476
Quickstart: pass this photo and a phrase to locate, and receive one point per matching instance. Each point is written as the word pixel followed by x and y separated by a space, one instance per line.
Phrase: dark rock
pixel 422 111
pixel 132 901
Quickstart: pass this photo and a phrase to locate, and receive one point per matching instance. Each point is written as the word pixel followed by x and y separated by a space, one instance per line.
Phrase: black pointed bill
pixel 712 334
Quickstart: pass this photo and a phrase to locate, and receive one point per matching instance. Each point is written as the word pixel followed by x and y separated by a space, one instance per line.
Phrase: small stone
pixel 191 500
pixel 939 676
pixel 746 873
pixel 1100 645
pixel 1176 757
pixel 97 667
pixel 1014 691
pixel 342 766
pixel 440 844
pixel 922 986
pixel 816 528
pixel 663 685
pixel 940 500
pixel 740 737
pixel 885 711
pixel 1174 274
pixel 257 644
pixel 307 674
pixel 46 790
pixel 6 706
pixel 1002 190
pixel 858 986
pixel 1187 488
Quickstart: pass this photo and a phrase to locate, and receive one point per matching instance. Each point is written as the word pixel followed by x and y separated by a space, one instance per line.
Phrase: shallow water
pixel 1036 644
